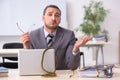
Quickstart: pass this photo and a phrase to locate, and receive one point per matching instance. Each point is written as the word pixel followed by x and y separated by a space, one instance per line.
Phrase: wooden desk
pixel 97 45
pixel 61 75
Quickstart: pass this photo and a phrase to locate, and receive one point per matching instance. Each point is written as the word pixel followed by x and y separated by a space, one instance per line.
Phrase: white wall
pixel 74 18
pixel 27 13
pixel 111 23
pixel 5 39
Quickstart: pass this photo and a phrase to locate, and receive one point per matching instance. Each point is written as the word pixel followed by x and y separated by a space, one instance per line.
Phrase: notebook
pixel 29 61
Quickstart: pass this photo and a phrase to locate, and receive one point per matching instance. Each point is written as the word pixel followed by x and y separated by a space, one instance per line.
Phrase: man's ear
pixel 43 18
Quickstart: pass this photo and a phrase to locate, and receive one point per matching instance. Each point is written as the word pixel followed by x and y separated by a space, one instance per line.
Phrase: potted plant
pixel 94 15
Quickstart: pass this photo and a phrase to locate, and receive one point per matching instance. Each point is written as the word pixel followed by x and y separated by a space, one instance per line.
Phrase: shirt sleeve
pixel 75 53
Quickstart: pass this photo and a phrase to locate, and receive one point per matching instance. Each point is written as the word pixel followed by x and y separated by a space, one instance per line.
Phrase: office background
pixel 26 13
pixel 74 16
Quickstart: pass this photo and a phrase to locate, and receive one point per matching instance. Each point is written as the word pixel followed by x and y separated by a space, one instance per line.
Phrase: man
pixel 64 41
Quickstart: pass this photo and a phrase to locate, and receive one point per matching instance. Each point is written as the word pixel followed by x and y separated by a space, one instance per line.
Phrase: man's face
pixel 51 18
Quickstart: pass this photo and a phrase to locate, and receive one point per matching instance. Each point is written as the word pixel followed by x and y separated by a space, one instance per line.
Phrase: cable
pixel 48 73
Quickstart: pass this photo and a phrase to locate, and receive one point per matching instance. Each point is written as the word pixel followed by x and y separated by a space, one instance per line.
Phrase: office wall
pixel 27 13
pixel 74 18
pixel 111 23
pixel 7 39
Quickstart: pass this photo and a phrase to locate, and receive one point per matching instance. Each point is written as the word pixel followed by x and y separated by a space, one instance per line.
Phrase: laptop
pixel 30 61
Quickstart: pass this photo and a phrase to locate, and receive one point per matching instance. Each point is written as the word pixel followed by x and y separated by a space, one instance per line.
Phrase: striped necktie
pixel 49 39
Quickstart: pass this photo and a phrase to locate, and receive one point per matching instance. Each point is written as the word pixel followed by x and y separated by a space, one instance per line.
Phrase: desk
pixel 98 45
pixel 9 52
pixel 61 75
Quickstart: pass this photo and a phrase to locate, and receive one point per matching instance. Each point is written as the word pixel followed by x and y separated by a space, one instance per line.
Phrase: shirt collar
pixel 46 33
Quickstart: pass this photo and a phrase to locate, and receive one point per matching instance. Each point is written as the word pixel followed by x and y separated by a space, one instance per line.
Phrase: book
pixel 101 38
pixel 3 74
pixel 3 70
pixel 91 72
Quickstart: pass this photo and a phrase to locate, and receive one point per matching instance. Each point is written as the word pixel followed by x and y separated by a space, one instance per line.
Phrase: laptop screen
pixel 32 61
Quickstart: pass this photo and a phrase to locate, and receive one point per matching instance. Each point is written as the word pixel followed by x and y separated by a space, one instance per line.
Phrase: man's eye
pixel 57 15
pixel 49 14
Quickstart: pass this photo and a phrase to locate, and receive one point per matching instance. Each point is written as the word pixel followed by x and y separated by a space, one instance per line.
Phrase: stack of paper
pixel 98 71
pixel 3 71
pixel 100 38
pixel 91 72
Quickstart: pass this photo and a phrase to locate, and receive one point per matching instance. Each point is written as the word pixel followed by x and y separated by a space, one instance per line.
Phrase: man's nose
pixel 53 17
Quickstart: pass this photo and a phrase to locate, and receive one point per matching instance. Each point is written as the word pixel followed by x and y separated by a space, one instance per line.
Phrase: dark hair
pixel 52 6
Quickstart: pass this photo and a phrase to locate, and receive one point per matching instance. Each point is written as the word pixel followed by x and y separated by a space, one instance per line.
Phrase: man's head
pixel 52 6
pixel 51 17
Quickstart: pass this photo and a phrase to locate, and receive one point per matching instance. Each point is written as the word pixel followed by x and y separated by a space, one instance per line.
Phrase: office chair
pixel 11 46
pixel 83 63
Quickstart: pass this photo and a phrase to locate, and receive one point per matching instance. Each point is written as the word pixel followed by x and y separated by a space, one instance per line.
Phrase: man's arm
pixel 73 61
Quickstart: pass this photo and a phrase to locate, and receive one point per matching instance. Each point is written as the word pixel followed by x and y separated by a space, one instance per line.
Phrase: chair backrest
pixel 12 45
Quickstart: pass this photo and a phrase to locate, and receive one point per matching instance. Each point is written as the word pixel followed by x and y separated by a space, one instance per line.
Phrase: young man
pixel 63 40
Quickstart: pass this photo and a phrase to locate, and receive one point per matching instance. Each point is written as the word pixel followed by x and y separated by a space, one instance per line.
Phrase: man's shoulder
pixel 64 29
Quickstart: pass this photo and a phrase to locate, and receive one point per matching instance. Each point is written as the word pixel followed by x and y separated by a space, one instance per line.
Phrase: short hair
pixel 51 6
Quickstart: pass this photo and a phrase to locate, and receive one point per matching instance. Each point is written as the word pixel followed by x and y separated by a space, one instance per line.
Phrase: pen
pixel 19 28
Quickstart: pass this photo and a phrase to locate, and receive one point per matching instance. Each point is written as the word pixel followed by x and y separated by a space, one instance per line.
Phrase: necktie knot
pixel 49 39
pixel 50 35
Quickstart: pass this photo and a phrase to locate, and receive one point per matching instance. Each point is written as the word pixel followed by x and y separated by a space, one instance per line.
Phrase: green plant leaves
pixel 94 16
